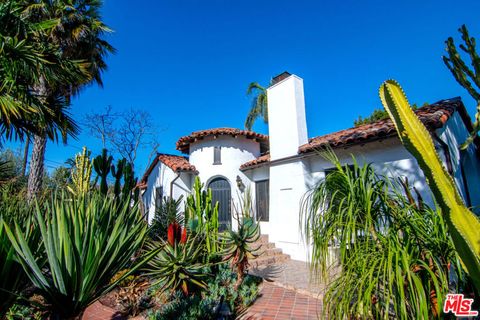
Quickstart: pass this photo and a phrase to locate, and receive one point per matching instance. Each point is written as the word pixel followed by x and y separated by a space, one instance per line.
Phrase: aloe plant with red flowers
pixel 176 234
pixel 178 266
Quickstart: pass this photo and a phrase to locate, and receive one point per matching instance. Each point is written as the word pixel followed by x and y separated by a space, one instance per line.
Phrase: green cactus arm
pixel 463 225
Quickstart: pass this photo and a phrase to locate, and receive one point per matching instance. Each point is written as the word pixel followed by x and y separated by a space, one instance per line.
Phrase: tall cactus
pixel 463 225
pixel 129 181
pixel 102 164
pixel 202 215
pixel 81 173
pixel 117 173
pixel 466 77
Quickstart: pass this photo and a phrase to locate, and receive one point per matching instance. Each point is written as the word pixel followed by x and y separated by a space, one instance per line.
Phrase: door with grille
pixel 221 192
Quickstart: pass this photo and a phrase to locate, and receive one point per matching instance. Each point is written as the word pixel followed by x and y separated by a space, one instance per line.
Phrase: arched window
pixel 221 192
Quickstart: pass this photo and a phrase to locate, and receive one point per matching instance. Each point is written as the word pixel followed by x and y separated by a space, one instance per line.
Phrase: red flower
pixel 176 234
pixel 184 236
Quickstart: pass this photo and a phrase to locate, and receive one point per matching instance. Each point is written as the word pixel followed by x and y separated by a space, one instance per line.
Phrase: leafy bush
pixel 13 280
pixel 221 288
pixel 165 214
pixel 23 312
pixel 395 251
pixel 185 308
pixel 86 241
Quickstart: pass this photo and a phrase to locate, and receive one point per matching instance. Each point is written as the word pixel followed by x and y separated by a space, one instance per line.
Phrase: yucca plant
pixel 13 280
pixel 178 265
pixel 86 241
pixel 240 246
pixel 463 224
pixel 394 251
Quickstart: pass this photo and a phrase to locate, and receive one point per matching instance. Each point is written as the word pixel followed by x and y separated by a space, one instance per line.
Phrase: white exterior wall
pixel 454 133
pixel 291 179
pixel 162 176
pixel 287 128
pixel 234 153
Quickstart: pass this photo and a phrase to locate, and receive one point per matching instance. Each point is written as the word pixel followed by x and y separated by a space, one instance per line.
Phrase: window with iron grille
pixel 158 197
pixel 217 155
pixel 262 200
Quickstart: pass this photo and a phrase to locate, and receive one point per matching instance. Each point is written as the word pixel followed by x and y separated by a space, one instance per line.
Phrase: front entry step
pixel 267 253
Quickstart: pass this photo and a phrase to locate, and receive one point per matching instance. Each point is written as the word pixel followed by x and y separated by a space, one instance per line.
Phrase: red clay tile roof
pixel 183 144
pixel 176 163
pixel 262 159
pixel 434 116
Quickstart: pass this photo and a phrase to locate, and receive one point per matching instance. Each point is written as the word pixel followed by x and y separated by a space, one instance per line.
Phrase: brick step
pixel 268 260
pixel 263 246
pixel 269 252
pixel 263 239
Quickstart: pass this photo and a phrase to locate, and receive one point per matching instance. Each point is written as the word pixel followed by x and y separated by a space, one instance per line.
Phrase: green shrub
pixel 13 280
pixel 185 308
pixel 165 214
pixel 86 241
pixel 395 251
pixel 23 312
pixel 205 305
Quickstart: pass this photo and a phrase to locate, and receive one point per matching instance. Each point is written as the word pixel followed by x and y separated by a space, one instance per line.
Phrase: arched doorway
pixel 221 192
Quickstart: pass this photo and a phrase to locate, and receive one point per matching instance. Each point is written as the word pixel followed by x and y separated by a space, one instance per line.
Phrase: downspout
pixel 172 182
pixel 448 158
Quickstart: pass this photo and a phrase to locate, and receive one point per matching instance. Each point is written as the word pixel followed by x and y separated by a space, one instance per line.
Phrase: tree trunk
pixel 35 175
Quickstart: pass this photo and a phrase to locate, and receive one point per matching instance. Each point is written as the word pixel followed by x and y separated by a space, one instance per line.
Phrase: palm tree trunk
pixel 35 175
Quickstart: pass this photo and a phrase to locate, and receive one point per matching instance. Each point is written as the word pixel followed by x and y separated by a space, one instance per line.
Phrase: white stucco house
pixel 281 167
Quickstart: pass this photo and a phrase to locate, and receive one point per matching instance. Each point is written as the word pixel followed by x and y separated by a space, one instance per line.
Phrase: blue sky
pixel 189 62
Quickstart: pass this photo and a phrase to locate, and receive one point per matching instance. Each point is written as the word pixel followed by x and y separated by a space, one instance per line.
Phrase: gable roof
pixel 183 144
pixel 433 116
pixel 176 163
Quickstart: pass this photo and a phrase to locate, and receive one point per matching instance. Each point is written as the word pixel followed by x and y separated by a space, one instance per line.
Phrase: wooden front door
pixel 221 192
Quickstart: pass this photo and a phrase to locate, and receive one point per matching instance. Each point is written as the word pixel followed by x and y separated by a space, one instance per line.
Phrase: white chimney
pixel 287 124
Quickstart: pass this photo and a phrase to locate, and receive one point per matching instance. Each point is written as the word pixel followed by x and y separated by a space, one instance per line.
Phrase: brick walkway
pixel 98 311
pixel 278 303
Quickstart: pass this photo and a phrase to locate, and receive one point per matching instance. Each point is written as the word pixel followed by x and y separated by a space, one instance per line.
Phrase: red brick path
pixel 274 303
pixel 98 311
pixel 277 303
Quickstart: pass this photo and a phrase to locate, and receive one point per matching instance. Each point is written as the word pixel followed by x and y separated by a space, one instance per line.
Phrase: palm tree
pixel 78 32
pixel 23 59
pixel 259 107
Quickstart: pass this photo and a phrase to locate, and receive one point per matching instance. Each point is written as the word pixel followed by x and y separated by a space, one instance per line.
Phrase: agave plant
pixel 239 246
pixel 463 224
pixel 394 251
pixel 86 241
pixel 178 265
